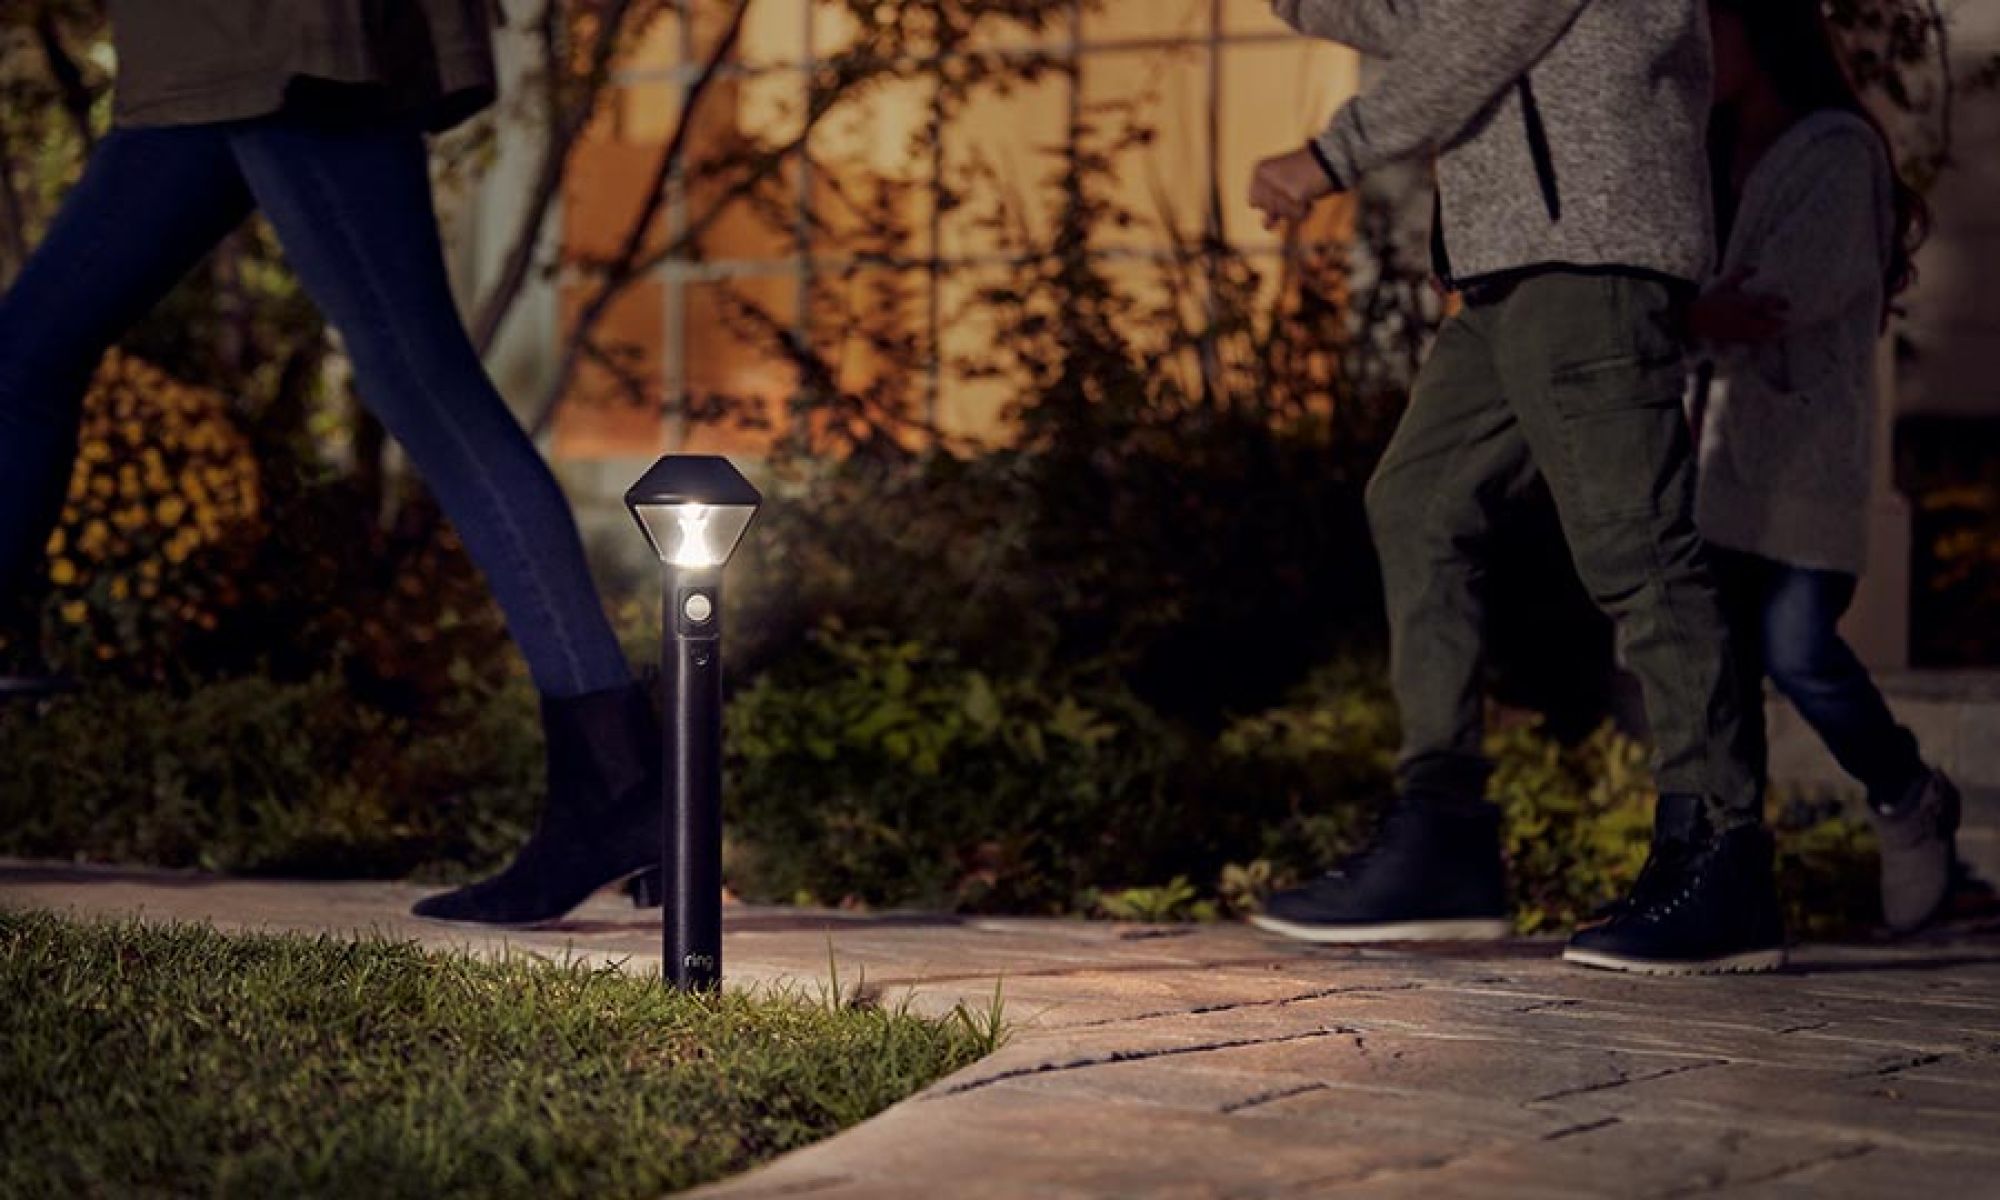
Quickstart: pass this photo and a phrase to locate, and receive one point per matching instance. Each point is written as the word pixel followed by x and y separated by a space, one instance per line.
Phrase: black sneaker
pixel 1718 914
pixel 1434 874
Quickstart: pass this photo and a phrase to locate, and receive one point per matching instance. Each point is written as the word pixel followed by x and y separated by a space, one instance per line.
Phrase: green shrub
pixel 1318 770
pixel 867 770
pixel 1176 900
pixel 864 771
pixel 1576 821
pixel 256 776
pixel 1828 864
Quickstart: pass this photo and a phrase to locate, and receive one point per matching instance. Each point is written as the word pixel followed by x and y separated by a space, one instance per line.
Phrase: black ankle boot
pixel 601 823
pixel 1680 830
pixel 1434 874
pixel 1714 911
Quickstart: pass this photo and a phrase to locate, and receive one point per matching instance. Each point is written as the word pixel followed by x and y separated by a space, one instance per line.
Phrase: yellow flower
pixel 170 510
pixel 76 612
pixel 62 572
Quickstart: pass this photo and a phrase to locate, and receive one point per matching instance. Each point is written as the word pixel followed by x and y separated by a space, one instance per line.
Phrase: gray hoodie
pixel 1567 132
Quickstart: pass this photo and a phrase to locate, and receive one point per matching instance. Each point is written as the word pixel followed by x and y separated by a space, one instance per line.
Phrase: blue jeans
pixel 352 208
pixel 1785 624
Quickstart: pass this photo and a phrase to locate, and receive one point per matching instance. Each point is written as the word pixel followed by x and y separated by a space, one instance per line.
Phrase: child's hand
pixel 1728 314
pixel 1285 188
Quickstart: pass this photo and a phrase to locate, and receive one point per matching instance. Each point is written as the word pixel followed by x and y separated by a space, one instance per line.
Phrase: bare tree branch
pixel 70 83
pixel 566 124
pixel 631 260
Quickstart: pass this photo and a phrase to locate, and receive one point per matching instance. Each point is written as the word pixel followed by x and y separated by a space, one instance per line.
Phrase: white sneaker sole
pixel 1751 963
pixel 1481 929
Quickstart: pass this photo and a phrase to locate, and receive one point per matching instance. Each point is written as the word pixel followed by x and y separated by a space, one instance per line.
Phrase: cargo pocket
pixel 1622 419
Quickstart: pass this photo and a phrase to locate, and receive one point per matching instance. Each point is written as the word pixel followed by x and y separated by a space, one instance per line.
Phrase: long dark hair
pixel 1795 45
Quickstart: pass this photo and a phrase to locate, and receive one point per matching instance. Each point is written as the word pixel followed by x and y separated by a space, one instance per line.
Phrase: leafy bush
pixel 251 775
pixel 1320 766
pixel 864 771
pixel 1176 900
pixel 1827 867
pixel 1576 822
pixel 867 770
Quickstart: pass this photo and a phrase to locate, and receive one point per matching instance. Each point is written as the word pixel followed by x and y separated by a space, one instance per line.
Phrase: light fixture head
pixel 693 508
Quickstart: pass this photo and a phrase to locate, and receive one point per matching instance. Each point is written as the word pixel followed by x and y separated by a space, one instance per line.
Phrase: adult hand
pixel 1286 187
pixel 1729 314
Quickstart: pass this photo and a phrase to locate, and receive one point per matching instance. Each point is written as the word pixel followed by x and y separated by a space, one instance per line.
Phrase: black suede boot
pixel 1434 873
pixel 601 823
pixel 1680 830
pixel 1714 911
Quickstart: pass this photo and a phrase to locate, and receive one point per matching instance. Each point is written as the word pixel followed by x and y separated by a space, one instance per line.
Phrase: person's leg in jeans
pixel 1457 457
pixel 151 204
pixel 1915 809
pixel 1814 668
pixel 353 209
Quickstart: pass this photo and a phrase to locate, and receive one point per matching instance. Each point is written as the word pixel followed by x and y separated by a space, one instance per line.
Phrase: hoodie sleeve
pixel 1375 27
pixel 1446 69
pixel 1830 243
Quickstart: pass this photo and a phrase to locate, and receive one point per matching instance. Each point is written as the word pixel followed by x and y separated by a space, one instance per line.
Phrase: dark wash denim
pixel 1574 377
pixel 352 208
pixel 1786 622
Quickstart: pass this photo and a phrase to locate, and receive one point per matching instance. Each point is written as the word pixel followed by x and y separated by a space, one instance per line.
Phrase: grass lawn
pixel 179 1061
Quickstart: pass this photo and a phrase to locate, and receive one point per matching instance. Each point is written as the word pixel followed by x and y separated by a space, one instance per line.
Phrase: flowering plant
pixel 163 510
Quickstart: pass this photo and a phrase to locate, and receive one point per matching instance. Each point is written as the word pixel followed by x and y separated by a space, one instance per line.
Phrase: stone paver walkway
pixel 1212 1062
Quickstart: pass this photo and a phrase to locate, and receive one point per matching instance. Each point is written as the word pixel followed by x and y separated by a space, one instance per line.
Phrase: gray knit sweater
pixel 1787 442
pixel 1566 131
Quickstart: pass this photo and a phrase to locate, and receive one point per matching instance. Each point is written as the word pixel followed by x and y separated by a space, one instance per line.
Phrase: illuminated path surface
pixel 1213 1062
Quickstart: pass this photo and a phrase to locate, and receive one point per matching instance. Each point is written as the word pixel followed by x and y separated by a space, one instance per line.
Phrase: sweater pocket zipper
pixel 1538 149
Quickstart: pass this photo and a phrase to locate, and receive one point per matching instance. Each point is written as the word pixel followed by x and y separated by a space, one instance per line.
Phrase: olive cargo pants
pixel 1578 377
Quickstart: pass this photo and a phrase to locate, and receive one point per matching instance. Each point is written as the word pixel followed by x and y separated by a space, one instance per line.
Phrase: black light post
pixel 693 509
